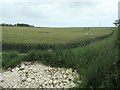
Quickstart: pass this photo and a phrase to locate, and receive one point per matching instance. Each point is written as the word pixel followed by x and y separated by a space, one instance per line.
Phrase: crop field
pixel 94 58
pixel 50 35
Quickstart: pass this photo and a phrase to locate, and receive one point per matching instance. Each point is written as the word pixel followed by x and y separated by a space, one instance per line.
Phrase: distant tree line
pixel 18 24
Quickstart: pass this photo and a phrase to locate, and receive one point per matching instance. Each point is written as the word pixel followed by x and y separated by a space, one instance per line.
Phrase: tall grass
pixel 0 60
pixel 10 59
pixel 96 62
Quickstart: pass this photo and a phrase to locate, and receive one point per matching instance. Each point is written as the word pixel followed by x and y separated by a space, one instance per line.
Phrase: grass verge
pixel 96 63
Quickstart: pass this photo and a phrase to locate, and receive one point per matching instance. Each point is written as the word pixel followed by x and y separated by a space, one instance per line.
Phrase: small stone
pixel 29 79
pixel 45 83
pixel 57 86
pixel 9 69
pixel 51 86
pixel 27 86
pixel 67 71
pixel 50 81
pixel 54 82
pixel 62 72
pixel 72 85
pixel 13 70
pixel 15 86
pixel 22 67
pixel 78 82
pixel 64 76
pixel 2 80
pixel 31 68
pixel 23 79
pixel 32 77
pixel 17 68
pixel 65 81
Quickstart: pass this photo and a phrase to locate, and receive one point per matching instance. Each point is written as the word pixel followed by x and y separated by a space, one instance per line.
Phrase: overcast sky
pixel 60 13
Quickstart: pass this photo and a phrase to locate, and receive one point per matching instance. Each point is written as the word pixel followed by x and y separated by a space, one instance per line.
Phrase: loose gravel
pixel 37 75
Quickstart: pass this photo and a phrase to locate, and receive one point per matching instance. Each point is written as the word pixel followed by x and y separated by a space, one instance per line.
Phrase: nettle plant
pixel 117 23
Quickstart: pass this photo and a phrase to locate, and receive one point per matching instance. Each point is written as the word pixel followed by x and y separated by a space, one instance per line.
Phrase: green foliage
pixel 0 60
pixel 96 62
pixel 24 48
pixel 31 56
pixel 10 59
pixel 24 39
pixel 99 71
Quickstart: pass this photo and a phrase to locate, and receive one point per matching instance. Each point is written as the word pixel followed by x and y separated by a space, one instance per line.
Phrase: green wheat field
pixel 92 51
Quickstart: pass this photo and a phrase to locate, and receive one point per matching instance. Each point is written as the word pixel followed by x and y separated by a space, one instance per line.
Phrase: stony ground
pixel 36 75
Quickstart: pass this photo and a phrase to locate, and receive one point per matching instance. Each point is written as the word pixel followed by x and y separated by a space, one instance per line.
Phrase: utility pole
pixel 119 10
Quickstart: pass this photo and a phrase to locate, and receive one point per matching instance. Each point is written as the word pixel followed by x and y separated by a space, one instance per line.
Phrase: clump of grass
pixel 10 59
pixel 31 56
pixel 96 65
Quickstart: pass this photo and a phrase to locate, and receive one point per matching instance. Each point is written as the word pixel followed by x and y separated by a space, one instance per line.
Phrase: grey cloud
pixel 10 10
pixel 56 12
pixel 53 9
pixel 35 10
pixel 83 4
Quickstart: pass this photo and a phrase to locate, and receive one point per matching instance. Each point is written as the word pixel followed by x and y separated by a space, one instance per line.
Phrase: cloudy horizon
pixel 64 13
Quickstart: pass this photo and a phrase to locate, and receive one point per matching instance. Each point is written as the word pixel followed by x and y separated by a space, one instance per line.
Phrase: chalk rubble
pixel 37 75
